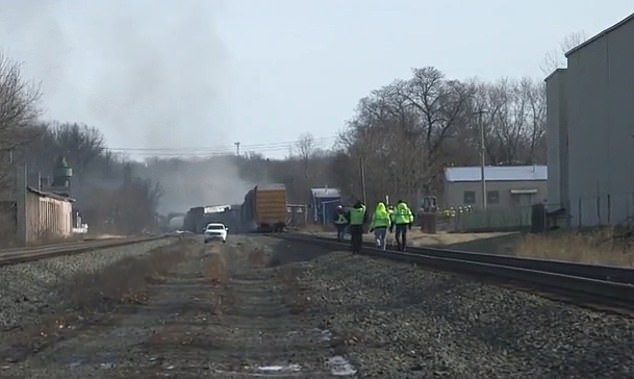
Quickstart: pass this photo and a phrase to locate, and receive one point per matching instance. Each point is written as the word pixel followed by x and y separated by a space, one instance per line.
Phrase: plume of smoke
pixel 147 73
pixel 189 183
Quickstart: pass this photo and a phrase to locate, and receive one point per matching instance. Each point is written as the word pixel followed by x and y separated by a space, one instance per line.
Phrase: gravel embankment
pixel 30 290
pixel 396 320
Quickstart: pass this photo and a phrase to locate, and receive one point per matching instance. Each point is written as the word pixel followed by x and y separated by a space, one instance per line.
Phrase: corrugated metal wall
pixel 47 218
pixel 599 100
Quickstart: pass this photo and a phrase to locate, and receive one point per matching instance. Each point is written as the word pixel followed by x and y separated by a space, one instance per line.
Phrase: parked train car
pixel 264 209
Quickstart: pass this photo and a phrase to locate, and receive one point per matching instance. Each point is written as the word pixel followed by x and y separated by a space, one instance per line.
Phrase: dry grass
pixel 259 258
pixel 125 281
pixel 296 297
pixel 595 247
pixel 418 238
pixel 215 269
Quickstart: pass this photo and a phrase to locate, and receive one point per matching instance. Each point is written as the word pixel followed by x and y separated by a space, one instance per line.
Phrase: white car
pixel 215 231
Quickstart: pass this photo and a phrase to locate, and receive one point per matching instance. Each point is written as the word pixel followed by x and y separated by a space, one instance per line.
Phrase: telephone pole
pixel 482 160
pixel 362 171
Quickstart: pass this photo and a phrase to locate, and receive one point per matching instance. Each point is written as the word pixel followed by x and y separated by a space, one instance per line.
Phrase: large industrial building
pixel 590 129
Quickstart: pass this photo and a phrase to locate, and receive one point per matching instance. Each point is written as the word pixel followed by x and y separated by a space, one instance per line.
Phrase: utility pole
pixel 237 147
pixel 483 160
pixel 362 170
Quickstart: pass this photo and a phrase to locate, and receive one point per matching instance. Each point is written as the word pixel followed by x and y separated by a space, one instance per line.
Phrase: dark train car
pixel 193 220
pixel 264 209
pixel 230 216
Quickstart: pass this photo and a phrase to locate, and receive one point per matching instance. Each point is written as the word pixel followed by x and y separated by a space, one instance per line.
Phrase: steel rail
pixel 599 272
pixel 577 281
pixel 29 254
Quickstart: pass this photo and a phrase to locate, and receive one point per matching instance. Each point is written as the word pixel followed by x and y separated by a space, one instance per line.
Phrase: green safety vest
pixel 341 219
pixel 357 215
pixel 402 215
pixel 381 220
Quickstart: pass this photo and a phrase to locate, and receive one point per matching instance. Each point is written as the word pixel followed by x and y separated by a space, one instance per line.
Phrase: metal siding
pixel 600 98
pixel 47 218
pixel 270 206
pixel 553 114
pixel 455 191
pixel 620 71
pixel 588 141
pixel 496 173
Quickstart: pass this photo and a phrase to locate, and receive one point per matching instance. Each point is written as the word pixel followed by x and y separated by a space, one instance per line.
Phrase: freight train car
pixel 193 220
pixel 197 218
pixel 264 209
pixel 230 216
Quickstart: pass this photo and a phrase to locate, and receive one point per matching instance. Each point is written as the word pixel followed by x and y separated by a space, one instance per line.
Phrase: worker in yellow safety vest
pixel 379 224
pixel 358 217
pixel 341 221
pixel 403 219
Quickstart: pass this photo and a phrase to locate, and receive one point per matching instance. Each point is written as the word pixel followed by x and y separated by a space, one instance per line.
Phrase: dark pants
pixel 356 232
pixel 341 231
pixel 401 236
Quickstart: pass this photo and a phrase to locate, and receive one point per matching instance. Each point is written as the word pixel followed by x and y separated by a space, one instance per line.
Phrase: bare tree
pixel 442 106
pixel 556 58
pixel 306 148
pixel 18 109
pixel 535 94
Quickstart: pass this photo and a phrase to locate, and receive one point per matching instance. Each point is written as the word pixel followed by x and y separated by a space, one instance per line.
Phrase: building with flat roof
pixel 506 186
pixel 590 129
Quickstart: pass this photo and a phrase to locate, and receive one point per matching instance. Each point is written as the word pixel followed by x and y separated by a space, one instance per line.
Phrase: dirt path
pixel 221 313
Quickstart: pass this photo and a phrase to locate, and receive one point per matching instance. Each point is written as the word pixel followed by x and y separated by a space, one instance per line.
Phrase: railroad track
pixel 606 286
pixel 20 255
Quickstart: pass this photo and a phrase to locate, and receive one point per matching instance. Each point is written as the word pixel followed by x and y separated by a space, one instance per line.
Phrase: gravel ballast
pixel 29 291
pixel 399 320
pixel 262 306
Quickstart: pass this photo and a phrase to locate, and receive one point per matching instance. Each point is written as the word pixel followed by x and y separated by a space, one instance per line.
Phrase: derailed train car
pixel 264 209
pixel 193 220
pixel 197 218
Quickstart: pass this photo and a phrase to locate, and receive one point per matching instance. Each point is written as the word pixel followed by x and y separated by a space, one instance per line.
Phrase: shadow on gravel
pixel 285 252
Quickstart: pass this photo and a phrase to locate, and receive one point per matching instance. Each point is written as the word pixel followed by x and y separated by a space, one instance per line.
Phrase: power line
pixel 222 149
pixel 212 151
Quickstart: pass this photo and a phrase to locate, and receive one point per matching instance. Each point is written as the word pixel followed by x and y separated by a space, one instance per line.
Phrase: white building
pixel 507 186
pixel 590 129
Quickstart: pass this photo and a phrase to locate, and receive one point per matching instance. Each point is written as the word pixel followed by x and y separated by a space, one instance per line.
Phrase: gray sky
pixel 180 74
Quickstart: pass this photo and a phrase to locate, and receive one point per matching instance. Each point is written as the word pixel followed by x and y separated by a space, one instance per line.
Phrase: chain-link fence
pixel 468 219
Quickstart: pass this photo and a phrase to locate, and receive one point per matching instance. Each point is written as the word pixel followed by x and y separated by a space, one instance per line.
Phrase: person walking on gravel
pixel 358 217
pixel 402 218
pixel 380 223
pixel 341 221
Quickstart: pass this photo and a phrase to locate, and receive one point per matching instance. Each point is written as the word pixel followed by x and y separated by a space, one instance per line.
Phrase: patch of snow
pixel 293 367
pixel 326 335
pixel 339 366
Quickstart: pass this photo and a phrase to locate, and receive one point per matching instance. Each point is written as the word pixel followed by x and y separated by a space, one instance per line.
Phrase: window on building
pixel 469 197
pixel 493 197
